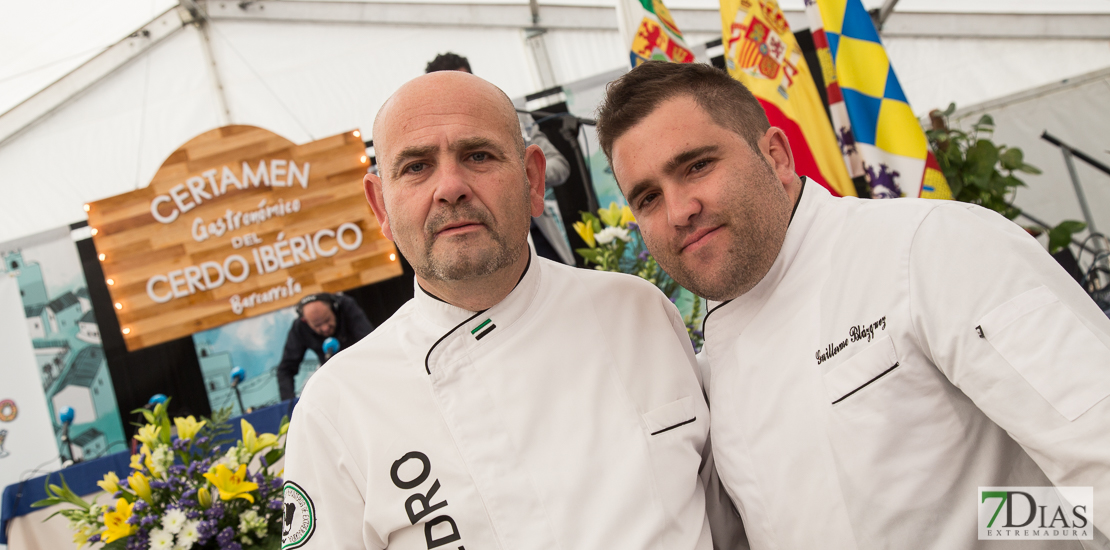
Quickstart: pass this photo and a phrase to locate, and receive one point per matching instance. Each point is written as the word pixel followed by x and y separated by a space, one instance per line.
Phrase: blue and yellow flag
pixel 896 157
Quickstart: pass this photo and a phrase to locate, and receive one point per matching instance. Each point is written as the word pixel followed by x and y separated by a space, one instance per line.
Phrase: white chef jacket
pixel 568 416
pixel 898 355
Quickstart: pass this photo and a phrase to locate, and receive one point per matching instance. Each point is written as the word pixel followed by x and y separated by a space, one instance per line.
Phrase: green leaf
pixel 982 157
pixel 985 121
pixel 951 109
pixel 1060 236
pixel 46 502
pixel 274 455
pixel 1029 169
pixel 1011 158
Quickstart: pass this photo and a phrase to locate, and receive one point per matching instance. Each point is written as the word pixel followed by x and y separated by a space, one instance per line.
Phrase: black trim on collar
pixel 710 312
pixel 799 201
pixel 448 333
pixel 525 272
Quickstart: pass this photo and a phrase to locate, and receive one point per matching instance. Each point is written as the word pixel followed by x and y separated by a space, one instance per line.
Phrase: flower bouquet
pixel 184 492
pixel 615 244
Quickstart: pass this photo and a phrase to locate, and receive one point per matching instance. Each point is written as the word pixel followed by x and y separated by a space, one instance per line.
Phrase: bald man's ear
pixel 372 185
pixel 535 168
pixel 776 150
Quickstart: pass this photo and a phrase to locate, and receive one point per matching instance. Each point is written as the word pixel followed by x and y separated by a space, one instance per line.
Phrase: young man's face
pixel 713 212
pixel 456 195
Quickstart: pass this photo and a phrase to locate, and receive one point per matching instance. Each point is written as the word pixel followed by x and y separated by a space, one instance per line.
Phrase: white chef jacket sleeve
pixel 323 497
pixel 1010 328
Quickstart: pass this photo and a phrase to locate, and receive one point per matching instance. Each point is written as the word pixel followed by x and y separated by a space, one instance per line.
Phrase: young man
pixel 514 402
pixel 871 364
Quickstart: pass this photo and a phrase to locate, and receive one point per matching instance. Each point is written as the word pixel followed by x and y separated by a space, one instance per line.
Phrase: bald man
pixel 466 420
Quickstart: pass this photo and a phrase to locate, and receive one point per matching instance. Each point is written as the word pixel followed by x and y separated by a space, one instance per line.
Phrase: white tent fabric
pixel 310 79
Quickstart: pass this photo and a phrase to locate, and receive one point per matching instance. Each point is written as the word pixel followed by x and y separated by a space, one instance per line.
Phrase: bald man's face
pixel 454 193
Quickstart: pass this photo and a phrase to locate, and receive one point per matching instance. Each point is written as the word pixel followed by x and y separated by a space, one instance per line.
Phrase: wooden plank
pixel 279 236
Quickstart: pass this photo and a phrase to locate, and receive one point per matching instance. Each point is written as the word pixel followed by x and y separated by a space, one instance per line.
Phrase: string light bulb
pixel 362 159
pixel 87 207
pixel 356 133
pixel 392 257
pixel 110 282
pixel 94 231
pixel 102 256
pixel 127 331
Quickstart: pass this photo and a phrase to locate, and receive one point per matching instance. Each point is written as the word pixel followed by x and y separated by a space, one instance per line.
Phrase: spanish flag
pixel 650 32
pixel 761 52
pixel 895 155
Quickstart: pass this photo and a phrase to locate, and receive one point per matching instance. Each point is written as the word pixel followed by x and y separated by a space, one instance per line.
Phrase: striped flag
pixel 891 145
pixel 651 33
pixel 761 52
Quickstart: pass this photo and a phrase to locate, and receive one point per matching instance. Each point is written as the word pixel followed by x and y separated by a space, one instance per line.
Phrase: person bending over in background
pixel 319 317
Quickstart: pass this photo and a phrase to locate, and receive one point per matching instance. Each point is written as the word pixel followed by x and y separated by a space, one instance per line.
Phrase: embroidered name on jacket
pixel 855 334
pixel 440 530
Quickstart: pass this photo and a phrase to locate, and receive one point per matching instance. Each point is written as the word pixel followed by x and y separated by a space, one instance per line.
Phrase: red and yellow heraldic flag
pixel 761 52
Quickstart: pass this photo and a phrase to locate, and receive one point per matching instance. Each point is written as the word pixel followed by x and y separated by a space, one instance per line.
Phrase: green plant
pixel 982 172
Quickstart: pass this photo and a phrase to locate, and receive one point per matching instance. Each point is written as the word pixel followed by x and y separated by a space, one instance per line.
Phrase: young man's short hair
pixel 632 97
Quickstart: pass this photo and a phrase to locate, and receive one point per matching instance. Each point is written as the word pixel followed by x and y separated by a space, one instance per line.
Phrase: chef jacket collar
pixel 444 315
pixel 810 198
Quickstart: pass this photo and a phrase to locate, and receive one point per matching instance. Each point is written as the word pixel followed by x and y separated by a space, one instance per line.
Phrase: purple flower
pixel 277 482
pixel 147 521
pixel 215 512
pixel 192 514
pixel 94 538
pixel 117 495
pixel 189 493
pixel 188 503
pixel 180 444
pixel 232 546
pixel 156 484
pixel 134 520
pixel 201 440
pixel 225 537
pixel 206 530
pixel 633 226
pixel 265 463
pixel 275 504
pixel 643 256
pixel 139 506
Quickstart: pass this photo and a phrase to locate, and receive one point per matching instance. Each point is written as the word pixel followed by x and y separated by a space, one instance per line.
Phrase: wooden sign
pixel 236 223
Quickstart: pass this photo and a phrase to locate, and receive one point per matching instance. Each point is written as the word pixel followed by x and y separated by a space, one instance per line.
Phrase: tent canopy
pixel 306 69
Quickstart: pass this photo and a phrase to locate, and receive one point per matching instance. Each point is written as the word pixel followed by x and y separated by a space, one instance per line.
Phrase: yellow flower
pixel 148 434
pixel 82 536
pixel 204 497
pixel 586 231
pixel 140 484
pixel 137 459
pixel 254 443
pixel 610 216
pixel 626 216
pixel 110 483
pixel 188 427
pixel 116 522
pixel 232 484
